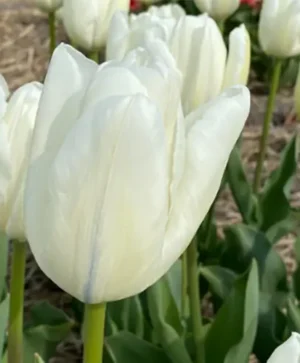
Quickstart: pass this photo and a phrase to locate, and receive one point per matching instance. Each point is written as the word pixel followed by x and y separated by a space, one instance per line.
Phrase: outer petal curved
pixel 107 188
pixel 68 77
pixel 289 351
pixel 212 132
pixel 18 124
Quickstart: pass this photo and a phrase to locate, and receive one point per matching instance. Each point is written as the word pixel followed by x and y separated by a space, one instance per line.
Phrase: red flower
pixel 135 5
pixel 252 3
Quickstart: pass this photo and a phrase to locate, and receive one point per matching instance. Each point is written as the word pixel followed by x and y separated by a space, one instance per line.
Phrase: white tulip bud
pixel 87 21
pixel 115 189
pixel 218 9
pixel 16 128
pixel 289 351
pixel 279 28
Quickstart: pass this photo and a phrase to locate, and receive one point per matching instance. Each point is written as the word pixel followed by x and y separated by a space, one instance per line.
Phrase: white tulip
pixel 87 21
pixel 289 351
pixel 4 92
pixel 218 9
pixel 197 45
pixel 119 181
pixel 49 5
pixel 16 127
pixel 173 11
pixel 239 57
pixel 279 28
pixel 297 95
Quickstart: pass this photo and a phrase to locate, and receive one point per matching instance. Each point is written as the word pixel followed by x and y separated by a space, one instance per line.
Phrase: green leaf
pixel 273 200
pixel 296 275
pixel 243 243
pixel 125 347
pixel 280 229
pixel 47 327
pixel 271 327
pixel 231 336
pixel 219 278
pixel 166 322
pixel 38 359
pixel 127 314
pixel 4 307
pixel 293 314
pixel 241 188
pixel 3 263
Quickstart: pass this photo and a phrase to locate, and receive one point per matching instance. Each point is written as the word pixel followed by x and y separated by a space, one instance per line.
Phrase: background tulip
pixel 16 127
pixel 167 11
pixel 87 21
pixel 218 9
pixel 126 180
pixel 289 351
pixel 197 46
pixel 283 19
pixel 49 5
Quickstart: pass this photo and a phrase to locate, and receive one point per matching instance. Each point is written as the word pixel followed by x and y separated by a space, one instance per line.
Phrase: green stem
pixel 184 285
pixel 52 31
pixel 94 320
pixel 221 24
pixel 194 299
pixel 15 325
pixel 267 122
pixel 94 55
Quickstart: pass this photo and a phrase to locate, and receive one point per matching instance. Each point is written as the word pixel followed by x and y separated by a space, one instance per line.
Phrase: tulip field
pixel 149 181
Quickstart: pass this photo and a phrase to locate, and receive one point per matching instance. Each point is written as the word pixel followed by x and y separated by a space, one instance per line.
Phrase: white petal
pixel 117 39
pixel 67 79
pixel 4 92
pixel 238 62
pixel 97 217
pixel 18 122
pixel 212 133
pixel 207 64
pixel 289 351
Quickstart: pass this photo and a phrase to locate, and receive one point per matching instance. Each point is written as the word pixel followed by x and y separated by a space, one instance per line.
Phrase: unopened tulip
pixel 279 28
pixel 198 47
pixel 16 127
pixel 49 5
pixel 87 21
pixel 218 9
pixel 119 181
pixel 289 351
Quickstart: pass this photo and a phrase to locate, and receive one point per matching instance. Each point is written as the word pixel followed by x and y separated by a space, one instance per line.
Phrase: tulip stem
pixel 221 25
pixel 184 285
pixel 267 123
pixel 52 31
pixel 15 325
pixel 94 319
pixel 94 56
pixel 194 299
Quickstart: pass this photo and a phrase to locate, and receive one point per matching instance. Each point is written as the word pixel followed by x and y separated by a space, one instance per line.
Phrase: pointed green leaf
pixel 4 307
pixel 125 347
pixel 233 331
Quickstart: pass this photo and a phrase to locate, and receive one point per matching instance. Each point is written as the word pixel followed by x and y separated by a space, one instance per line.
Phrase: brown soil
pixel 24 57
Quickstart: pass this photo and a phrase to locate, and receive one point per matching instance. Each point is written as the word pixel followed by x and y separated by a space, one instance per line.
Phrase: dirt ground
pixel 24 57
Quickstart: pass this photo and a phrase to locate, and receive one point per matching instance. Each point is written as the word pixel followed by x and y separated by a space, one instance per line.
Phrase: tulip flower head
pixel 49 5
pixel 197 45
pixel 16 128
pixel 218 9
pixel 279 28
pixel 87 21
pixel 119 181
pixel 289 351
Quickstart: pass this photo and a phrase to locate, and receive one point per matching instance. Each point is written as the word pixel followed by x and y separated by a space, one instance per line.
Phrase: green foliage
pixel 234 328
